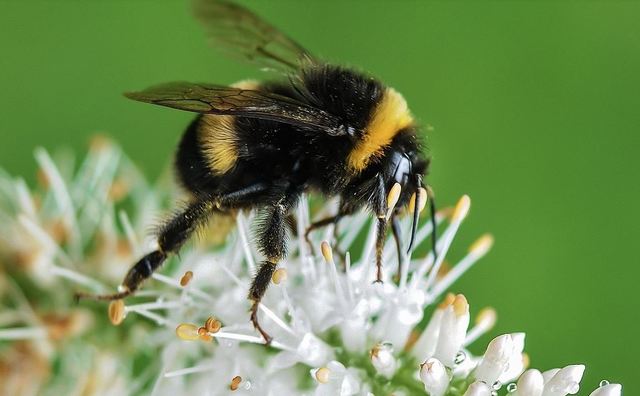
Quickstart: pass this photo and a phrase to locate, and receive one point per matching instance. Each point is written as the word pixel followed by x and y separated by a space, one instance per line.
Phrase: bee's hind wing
pixel 247 36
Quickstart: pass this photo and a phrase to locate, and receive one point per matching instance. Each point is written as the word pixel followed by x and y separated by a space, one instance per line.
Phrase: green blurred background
pixel 535 108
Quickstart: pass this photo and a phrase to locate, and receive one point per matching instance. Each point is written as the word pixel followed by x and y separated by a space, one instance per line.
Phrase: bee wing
pixel 216 99
pixel 249 37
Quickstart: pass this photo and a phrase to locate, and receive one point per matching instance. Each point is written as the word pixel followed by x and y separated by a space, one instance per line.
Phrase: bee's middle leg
pixel 319 224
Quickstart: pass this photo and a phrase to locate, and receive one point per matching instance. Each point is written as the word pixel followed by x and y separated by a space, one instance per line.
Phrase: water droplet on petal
pixel 603 383
pixel 247 385
pixel 512 387
pixel 496 385
pixel 460 357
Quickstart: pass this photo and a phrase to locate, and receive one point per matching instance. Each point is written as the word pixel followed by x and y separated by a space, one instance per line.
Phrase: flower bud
pixel 565 382
pixel 383 360
pixel 608 390
pixel 434 377
pixel 495 359
pixel 530 383
pixel 478 388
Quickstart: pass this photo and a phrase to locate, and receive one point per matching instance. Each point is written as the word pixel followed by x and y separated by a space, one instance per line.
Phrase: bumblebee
pixel 259 145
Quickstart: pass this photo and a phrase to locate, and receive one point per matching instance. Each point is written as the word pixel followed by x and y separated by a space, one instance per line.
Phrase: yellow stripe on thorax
pixel 390 116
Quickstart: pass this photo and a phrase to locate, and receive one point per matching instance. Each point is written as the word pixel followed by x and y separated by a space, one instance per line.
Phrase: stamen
pixel 327 253
pixel 128 229
pixel 23 333
pixel 116 312
pixel 251 339
pixel 76 277
pixel 459 213
pixel 301 225
pixel 461 209
pixel 427 263
pixel 347 272
pixel 60 193
pixel 192 290
pixel 160 320
pixel 322 375
pixel 245 242
pixel 482 245
pixel 353 227
pixel 186 278
pixel 276 319
pixel 485 320
pixel 477 250
pixel 235 383
pixel 159 304
pixel 187 332
pixel 24 198
pixel 38 233
pixel 367 252
pixel 392 198
pixel 188 370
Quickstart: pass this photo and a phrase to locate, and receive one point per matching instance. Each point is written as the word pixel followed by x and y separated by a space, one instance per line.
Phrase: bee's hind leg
pixel 173 234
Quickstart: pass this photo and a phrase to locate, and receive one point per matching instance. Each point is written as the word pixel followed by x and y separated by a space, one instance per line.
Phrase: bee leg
pixel 397 236
pixel 272 244
pixel 319 224
pixel 258 288
pixel 172 236
pixel 381 234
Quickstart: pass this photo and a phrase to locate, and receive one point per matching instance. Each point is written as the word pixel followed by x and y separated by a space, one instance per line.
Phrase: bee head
pixel 405 166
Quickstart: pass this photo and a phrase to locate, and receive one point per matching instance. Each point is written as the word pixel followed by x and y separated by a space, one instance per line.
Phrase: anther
pixel 482 245
pixel 279 276
pixel 187 332
pixel 203 335
pixel 322 375
pixel 462 208
pixel 327 252
pixel 235 383
pixel 486 317
pixel 116 312
pixel 186 278
pixel 212 325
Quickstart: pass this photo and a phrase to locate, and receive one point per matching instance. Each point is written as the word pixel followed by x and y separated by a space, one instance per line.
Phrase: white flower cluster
pixel 335 331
